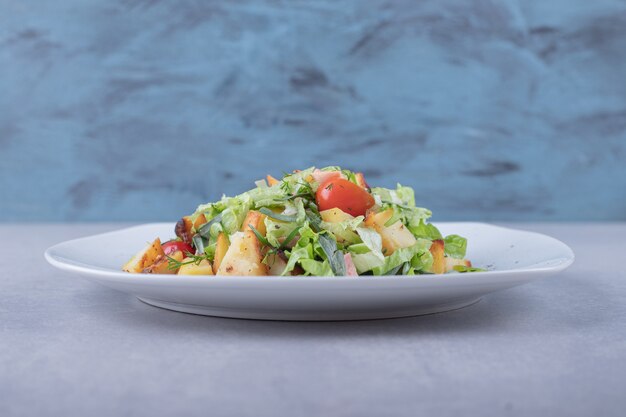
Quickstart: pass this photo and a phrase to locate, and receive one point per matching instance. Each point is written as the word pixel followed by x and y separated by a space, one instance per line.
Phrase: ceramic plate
pixel 512 257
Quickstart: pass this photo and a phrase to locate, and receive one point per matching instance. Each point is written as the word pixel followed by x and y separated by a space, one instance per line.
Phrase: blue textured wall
pixel 140 110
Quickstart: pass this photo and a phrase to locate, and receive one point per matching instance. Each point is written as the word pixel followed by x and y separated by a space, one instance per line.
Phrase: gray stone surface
pixel 555 347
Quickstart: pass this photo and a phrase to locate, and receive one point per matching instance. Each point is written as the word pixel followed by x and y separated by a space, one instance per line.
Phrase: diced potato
pixel 395 236
pixel 161 266
pixel 271 180
pixel 256 219
pixel 221 247
pixel 439 259
pixel 183 229
pixel 200 220
pixel 202 268
pixel 144 258
pixel 452 262
pixel 244 256
pixel 335 215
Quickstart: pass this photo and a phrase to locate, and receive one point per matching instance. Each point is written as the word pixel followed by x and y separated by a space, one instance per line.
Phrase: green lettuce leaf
pixel 345 230
pixel 233 216
pixel 317 268
pixel 423 261
pixel 265 196
pixel 277 229
pixel 304 248
pixel 403 196
pixel 455 246
pixel 297 254
pixel 402 201
pixel 359 248
pixel 367 255
pixel 402 255
pixel 425 230
pixel 233 210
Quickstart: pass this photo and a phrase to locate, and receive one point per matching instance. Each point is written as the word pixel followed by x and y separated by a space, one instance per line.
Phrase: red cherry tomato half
pixel 344 195
pixel 174 246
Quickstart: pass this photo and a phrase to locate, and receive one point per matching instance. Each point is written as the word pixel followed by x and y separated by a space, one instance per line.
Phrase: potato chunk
pixel 439 259
pixel 244 256
pixel 202 268
pixel 256 220
pixel 144 258
pixel 200 220
pixel 335 215
pixel 161 266
pixel 395 236
pixel 271 181
pixel 221 247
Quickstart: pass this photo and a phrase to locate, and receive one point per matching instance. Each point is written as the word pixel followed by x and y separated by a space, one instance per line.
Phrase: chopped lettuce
pixel 425 230
pixel 318 268
pixel 367 255
pixel 345 230
pixel 421 262
pixel 304 248
pixel 403 196
pixel 278 231
pixel 455 246
pixel 359 248
pixel 297 254
pixel 294 227
pixel 402 255
pixel 233 216
pixel 402 201
pixel 265 196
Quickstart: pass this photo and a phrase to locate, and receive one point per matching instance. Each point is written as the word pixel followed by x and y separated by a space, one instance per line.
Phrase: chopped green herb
pixel 314 220
pixel 292 197
pixel 205 229
pixel 259 236
pixel 289 238
pixel 173 264
pixel 334 256
pixel 394 271
pixel 200 242
pixel 276 216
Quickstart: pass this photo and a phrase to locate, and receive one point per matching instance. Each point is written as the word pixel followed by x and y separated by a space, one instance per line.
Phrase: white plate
pixel 513 257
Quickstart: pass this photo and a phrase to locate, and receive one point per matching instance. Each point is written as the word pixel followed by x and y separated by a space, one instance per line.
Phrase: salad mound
pixel 322 222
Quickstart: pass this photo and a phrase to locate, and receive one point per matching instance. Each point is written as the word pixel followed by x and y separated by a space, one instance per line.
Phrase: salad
pixel 322 222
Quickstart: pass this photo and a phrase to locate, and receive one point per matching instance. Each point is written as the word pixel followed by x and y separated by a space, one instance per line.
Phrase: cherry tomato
pixel 344 195
pixel 174 245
